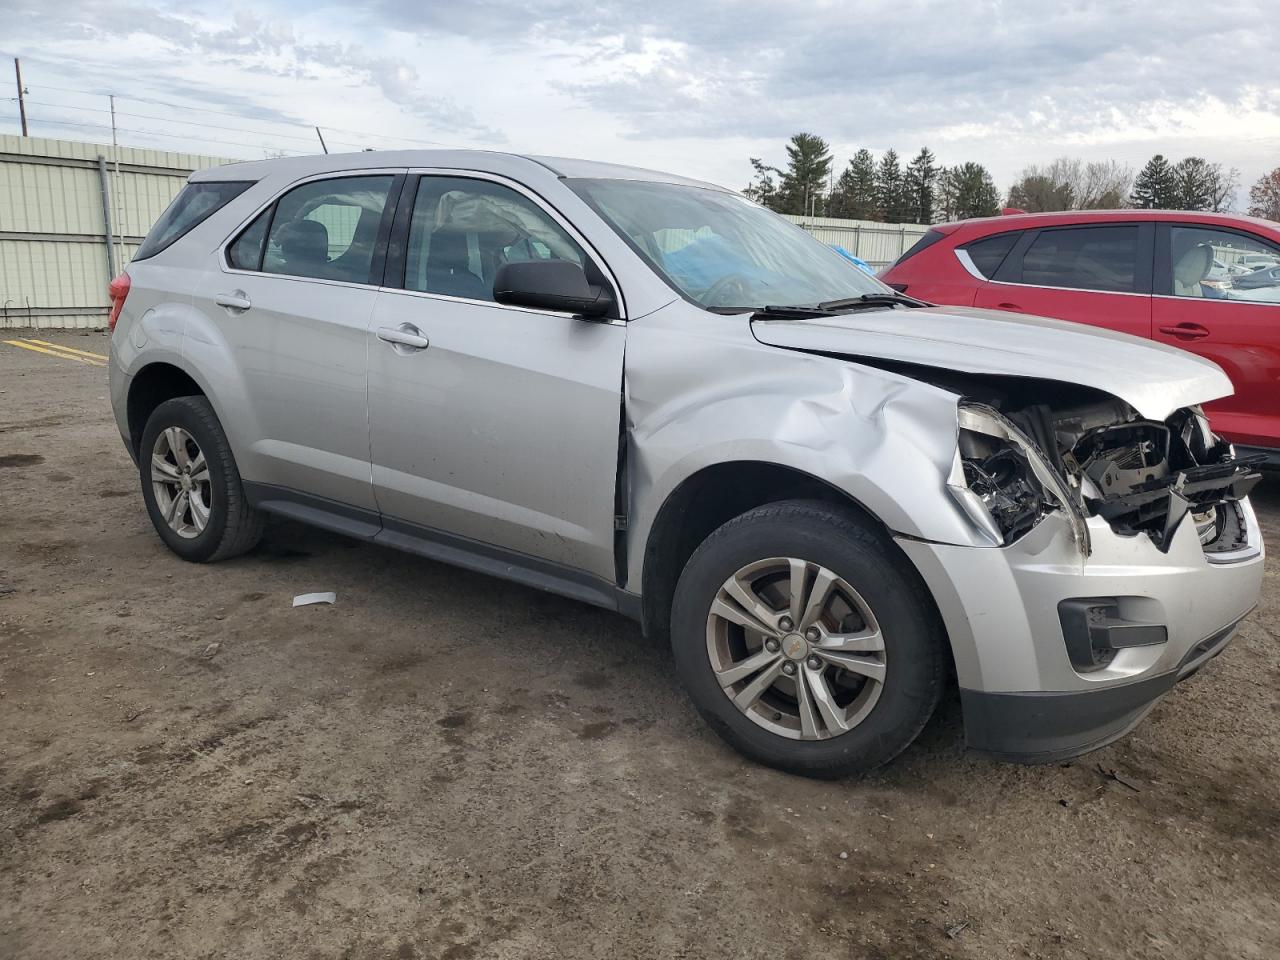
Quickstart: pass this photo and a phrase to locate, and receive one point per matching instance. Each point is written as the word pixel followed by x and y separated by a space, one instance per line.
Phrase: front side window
pixel 463 230
pixel 326 230
pixel 1223 265
pixel 1084 258
pixel 194 204
pixel 720 250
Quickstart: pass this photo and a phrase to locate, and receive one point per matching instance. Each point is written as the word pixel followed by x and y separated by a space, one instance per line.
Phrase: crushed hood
pixel 1153 379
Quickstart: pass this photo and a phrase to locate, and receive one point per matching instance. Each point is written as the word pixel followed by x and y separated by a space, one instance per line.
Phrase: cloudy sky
pixel 691 87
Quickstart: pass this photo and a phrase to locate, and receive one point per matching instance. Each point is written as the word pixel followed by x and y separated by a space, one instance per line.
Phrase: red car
pixel 1206 282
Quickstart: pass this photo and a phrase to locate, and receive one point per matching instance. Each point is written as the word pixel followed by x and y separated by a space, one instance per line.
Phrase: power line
pixel 169 136
pixel 151 116
pixel 224 113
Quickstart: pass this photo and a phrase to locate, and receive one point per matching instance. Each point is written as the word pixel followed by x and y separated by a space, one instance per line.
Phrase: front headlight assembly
pixel 1004 483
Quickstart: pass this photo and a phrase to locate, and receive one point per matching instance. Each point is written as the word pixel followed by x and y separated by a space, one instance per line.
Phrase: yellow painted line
pixel 52 353
pixel 58 346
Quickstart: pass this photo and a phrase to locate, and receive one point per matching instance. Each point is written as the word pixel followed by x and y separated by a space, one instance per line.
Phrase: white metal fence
pixel 56 199
pixel 879 244
pixel 60 199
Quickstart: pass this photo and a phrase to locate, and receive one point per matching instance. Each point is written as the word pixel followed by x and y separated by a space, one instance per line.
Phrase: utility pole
pixel 22 103
pixel 321 136
pixel 119 191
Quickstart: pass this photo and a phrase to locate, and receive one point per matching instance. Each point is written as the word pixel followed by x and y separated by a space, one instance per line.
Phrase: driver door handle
pixel 1186 331
pixel 405 335
pixel 236 300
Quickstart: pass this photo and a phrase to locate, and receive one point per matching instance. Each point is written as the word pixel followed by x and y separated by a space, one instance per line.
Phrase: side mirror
pixel 550 285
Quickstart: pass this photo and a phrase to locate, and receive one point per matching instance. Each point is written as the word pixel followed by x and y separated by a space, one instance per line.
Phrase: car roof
pixel 482 160
pixel 1023 221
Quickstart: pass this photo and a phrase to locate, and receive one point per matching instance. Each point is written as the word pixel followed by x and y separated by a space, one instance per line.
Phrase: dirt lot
pixel 448 766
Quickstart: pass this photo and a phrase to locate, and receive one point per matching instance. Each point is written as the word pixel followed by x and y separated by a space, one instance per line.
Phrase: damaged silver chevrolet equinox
pixel 650 394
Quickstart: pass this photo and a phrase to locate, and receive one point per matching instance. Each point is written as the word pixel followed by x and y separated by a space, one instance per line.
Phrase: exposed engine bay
pixel 1141 476
pixel 1028 447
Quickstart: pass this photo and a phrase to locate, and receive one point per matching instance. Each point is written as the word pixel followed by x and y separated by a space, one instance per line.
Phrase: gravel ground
pixel 444 765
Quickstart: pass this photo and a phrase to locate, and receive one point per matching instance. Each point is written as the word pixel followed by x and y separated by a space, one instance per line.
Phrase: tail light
pixel 117 290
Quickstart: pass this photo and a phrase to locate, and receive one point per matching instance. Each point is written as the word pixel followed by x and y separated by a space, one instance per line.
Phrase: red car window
pixel 1084 258
pixel 987 254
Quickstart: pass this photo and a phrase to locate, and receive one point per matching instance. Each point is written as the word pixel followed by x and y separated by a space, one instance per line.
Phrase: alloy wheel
pixel 796 648
pixel 180 481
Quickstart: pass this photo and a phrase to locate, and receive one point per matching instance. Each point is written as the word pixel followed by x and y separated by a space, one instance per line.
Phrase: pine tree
pixel 804 182
pixel 1195 183
pixel 854 196
pixel 1155 187
pixel 763 189
pixel 920 185
pixel 889 188
pixel 974 192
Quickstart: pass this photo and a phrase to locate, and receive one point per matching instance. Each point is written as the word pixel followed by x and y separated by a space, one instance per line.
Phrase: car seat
pixel 1192 262
pixel 449 268
pixel 304 247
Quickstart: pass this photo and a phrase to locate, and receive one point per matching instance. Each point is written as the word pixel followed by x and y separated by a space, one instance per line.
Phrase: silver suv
pixel 650 394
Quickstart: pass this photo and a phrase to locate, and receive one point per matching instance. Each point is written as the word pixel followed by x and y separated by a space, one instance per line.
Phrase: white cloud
pixel 694 87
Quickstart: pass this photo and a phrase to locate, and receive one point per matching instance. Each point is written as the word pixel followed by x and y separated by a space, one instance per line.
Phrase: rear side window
pixel 924 243
pixel 324 230
pixel 192 206
pixel 1084 258
pixel 989 253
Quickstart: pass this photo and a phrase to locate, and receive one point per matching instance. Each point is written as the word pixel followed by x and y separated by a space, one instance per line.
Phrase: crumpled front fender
pixel 884 440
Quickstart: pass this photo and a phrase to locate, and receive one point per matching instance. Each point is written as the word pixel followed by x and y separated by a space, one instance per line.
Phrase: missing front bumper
pixel 1041 727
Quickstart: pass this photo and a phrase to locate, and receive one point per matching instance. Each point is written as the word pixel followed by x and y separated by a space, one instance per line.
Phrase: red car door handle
pixel 1008 306
pixel 1186 331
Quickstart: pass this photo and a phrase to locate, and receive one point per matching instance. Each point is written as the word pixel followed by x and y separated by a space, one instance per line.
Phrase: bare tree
pixel 1103 185
pixel 1222 187
pixel 1264 196
pixel 1070 183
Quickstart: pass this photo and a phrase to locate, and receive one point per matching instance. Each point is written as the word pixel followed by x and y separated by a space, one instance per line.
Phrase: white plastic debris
pixel 304 599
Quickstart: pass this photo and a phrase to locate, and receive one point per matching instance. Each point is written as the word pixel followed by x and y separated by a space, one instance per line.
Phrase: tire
pixel 875 597
pixel 217 522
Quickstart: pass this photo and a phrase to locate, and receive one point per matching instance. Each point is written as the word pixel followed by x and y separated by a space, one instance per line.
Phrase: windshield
pixel 722 251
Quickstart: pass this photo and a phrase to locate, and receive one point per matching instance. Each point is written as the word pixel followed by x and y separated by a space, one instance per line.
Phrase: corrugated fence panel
pixel 53 263
pixel 49 199
pixel 53 274
pixel 877 243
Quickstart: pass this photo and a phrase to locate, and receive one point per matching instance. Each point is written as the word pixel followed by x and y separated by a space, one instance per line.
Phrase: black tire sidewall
pixel 865 559
pixel 195 415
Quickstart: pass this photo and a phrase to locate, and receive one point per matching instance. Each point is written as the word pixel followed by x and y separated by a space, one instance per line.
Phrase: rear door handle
pixel 406 335
pixel 236 300
pixel 1186 331
pixel 1008 306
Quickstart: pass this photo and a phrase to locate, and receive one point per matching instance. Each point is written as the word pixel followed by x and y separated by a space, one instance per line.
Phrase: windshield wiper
pixel 871 300
pixel 831 308
pixel 784 312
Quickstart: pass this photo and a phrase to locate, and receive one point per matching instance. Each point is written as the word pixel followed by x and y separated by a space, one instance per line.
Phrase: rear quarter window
pixel 924 243
pixel 192 206
pixel 989 253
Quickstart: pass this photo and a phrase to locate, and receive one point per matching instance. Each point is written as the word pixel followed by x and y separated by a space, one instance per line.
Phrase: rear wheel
pixel 807 641
pixel 191 486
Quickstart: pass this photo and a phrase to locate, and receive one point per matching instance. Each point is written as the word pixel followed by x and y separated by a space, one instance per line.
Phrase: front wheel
pixel 807 641
pixel 191 486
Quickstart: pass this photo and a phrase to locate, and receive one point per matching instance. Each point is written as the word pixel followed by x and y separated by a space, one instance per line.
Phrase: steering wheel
pixel 735 282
